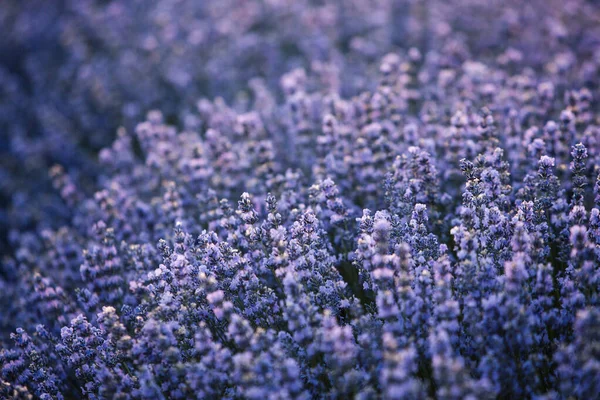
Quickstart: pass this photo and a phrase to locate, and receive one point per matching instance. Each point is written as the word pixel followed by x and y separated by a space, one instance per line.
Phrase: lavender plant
pixel 366 199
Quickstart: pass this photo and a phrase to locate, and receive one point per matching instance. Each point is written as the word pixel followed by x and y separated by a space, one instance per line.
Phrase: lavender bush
pixel 300 199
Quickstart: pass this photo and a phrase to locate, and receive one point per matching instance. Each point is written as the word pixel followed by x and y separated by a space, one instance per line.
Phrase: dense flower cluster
pixel 401 207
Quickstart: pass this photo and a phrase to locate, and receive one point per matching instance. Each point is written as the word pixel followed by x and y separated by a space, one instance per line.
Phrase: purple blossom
pixel 299 199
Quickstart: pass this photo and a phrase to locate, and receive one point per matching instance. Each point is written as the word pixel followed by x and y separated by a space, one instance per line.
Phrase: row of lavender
pixel 369 270
pixel 436 235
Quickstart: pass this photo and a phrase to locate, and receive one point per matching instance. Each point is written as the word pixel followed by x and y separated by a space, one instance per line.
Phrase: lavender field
pixel 300 199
